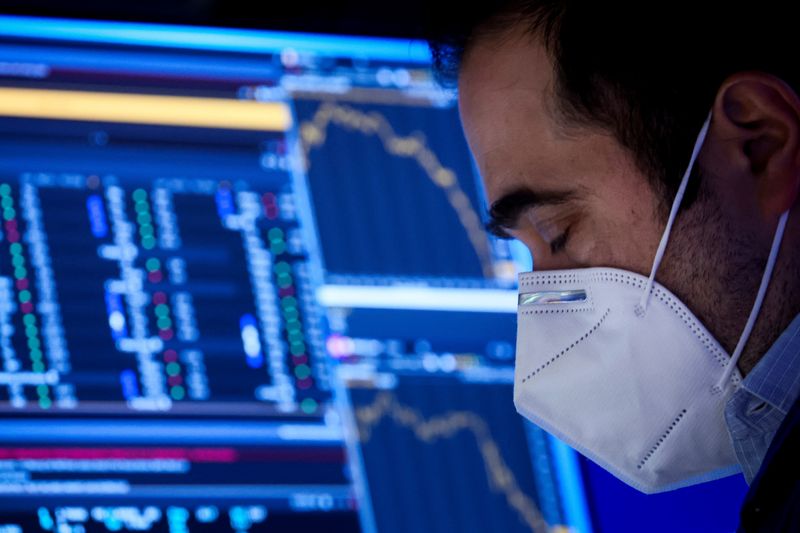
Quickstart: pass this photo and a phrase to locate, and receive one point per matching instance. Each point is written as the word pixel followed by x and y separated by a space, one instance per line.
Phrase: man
pixel 582 117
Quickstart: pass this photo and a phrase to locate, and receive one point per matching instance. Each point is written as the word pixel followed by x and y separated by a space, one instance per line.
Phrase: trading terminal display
pixel 95 485
pixel 417 218
pixel 170 219
pixel 145 295
pixel 448 444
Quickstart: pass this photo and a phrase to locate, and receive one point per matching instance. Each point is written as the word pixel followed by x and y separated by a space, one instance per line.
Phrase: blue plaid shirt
pixel 755 411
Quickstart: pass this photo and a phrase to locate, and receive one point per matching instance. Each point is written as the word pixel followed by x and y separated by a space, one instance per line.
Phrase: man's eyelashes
pixel 558 244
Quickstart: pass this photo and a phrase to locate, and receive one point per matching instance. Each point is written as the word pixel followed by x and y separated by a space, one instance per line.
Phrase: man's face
pixel 575 199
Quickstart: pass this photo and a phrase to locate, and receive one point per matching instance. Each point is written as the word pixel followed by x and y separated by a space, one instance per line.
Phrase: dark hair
pixel 647 72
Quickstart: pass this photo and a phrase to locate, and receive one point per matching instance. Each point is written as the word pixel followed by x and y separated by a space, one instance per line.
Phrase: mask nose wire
pixel 641 307
pixel 762 290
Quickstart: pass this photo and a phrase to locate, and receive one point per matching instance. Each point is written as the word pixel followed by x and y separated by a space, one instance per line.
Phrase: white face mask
pixel 617 367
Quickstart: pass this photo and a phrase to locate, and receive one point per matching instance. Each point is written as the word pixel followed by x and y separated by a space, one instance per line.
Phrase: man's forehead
pixel 500 173
pixel 502 91
pixel 515 153
pixel 502 54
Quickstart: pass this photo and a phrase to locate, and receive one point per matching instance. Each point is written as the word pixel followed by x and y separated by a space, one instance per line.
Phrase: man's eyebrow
pixel 504 213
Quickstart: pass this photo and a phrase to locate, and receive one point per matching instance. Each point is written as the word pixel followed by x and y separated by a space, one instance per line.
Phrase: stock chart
pixel 416 218
pixel 430 445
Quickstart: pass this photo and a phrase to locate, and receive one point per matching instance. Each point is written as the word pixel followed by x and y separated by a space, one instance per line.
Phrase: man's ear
pixel 758 117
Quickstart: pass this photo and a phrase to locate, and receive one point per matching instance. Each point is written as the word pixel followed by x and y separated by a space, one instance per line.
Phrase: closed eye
pixel 559 243
pixel 498 230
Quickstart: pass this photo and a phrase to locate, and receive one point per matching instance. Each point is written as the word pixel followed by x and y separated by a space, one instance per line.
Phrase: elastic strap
pixel 641 308
pixel 762 291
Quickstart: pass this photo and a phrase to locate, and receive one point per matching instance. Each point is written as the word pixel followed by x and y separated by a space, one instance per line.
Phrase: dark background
pixel 358 17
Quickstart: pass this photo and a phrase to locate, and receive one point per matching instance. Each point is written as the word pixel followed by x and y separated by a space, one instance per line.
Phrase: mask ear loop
pixel 762 291
pixel 641 307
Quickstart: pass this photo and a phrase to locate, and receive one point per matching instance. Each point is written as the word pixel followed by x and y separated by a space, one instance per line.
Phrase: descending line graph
pixel 314 135
pixel 499 475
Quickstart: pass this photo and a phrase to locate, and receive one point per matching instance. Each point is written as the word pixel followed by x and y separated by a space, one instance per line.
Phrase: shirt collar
pixel 776 377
